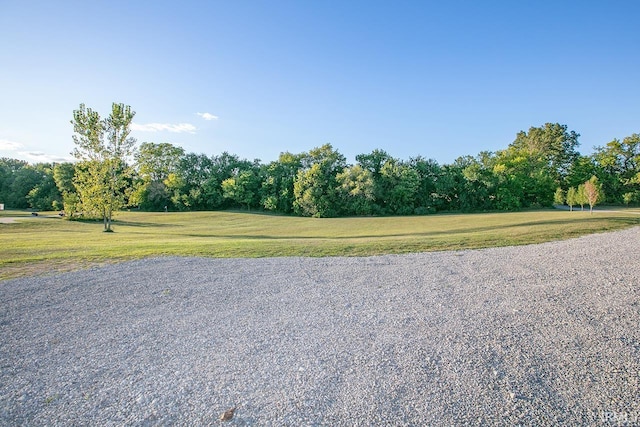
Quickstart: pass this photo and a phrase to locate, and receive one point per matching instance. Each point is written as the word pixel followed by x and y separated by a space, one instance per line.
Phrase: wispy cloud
pixel 7 145
pixel 208 116
pixel 41 157
pixel 31 156
pixel 161 127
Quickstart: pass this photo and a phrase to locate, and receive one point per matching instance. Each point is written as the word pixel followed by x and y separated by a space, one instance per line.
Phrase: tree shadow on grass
pixel 622 223
pixel 144 224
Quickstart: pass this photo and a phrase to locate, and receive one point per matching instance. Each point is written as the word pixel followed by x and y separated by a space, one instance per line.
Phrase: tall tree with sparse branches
pixel 593 192
pixel 572 197
pixel 102 148
pixel 581 196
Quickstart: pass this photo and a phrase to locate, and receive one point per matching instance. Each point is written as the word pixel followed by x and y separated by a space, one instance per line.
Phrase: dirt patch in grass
pixel 43 268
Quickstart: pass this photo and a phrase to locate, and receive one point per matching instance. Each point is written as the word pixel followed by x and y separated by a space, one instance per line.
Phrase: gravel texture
pixel 539 335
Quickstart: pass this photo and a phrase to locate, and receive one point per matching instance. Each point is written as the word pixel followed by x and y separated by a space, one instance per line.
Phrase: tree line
pixel 542 166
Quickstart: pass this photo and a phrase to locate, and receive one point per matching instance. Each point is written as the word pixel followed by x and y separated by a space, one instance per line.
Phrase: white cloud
pixel 31 156
pixel 208 116
pixel 160 127
pixel 7 145
pixel 41 157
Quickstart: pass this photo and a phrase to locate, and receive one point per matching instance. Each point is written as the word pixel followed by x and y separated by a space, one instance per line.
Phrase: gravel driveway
pixel 539 335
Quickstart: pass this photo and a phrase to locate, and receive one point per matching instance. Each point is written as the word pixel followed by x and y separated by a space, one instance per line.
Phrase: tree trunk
pixel 108 220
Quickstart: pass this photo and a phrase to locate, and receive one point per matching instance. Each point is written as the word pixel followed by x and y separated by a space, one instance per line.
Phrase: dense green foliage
pixel 539 168
pixel 23 185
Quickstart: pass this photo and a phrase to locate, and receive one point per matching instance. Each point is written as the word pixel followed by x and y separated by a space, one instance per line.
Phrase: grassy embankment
pixel 47 243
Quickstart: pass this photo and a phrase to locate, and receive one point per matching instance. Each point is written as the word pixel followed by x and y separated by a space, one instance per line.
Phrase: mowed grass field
pixel 47 243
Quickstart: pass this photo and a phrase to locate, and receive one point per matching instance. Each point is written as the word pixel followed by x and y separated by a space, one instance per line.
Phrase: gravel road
pixel 539 335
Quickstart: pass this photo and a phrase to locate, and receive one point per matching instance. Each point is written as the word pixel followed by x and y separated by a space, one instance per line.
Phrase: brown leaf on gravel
pixel 228 414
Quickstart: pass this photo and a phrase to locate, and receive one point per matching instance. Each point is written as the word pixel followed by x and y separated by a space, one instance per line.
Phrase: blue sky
pixel 440 79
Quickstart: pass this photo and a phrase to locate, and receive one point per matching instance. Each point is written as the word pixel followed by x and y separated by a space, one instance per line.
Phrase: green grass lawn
pixel 35 245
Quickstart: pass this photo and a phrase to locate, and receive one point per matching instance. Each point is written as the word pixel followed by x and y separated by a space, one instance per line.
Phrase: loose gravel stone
pixel 539 335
